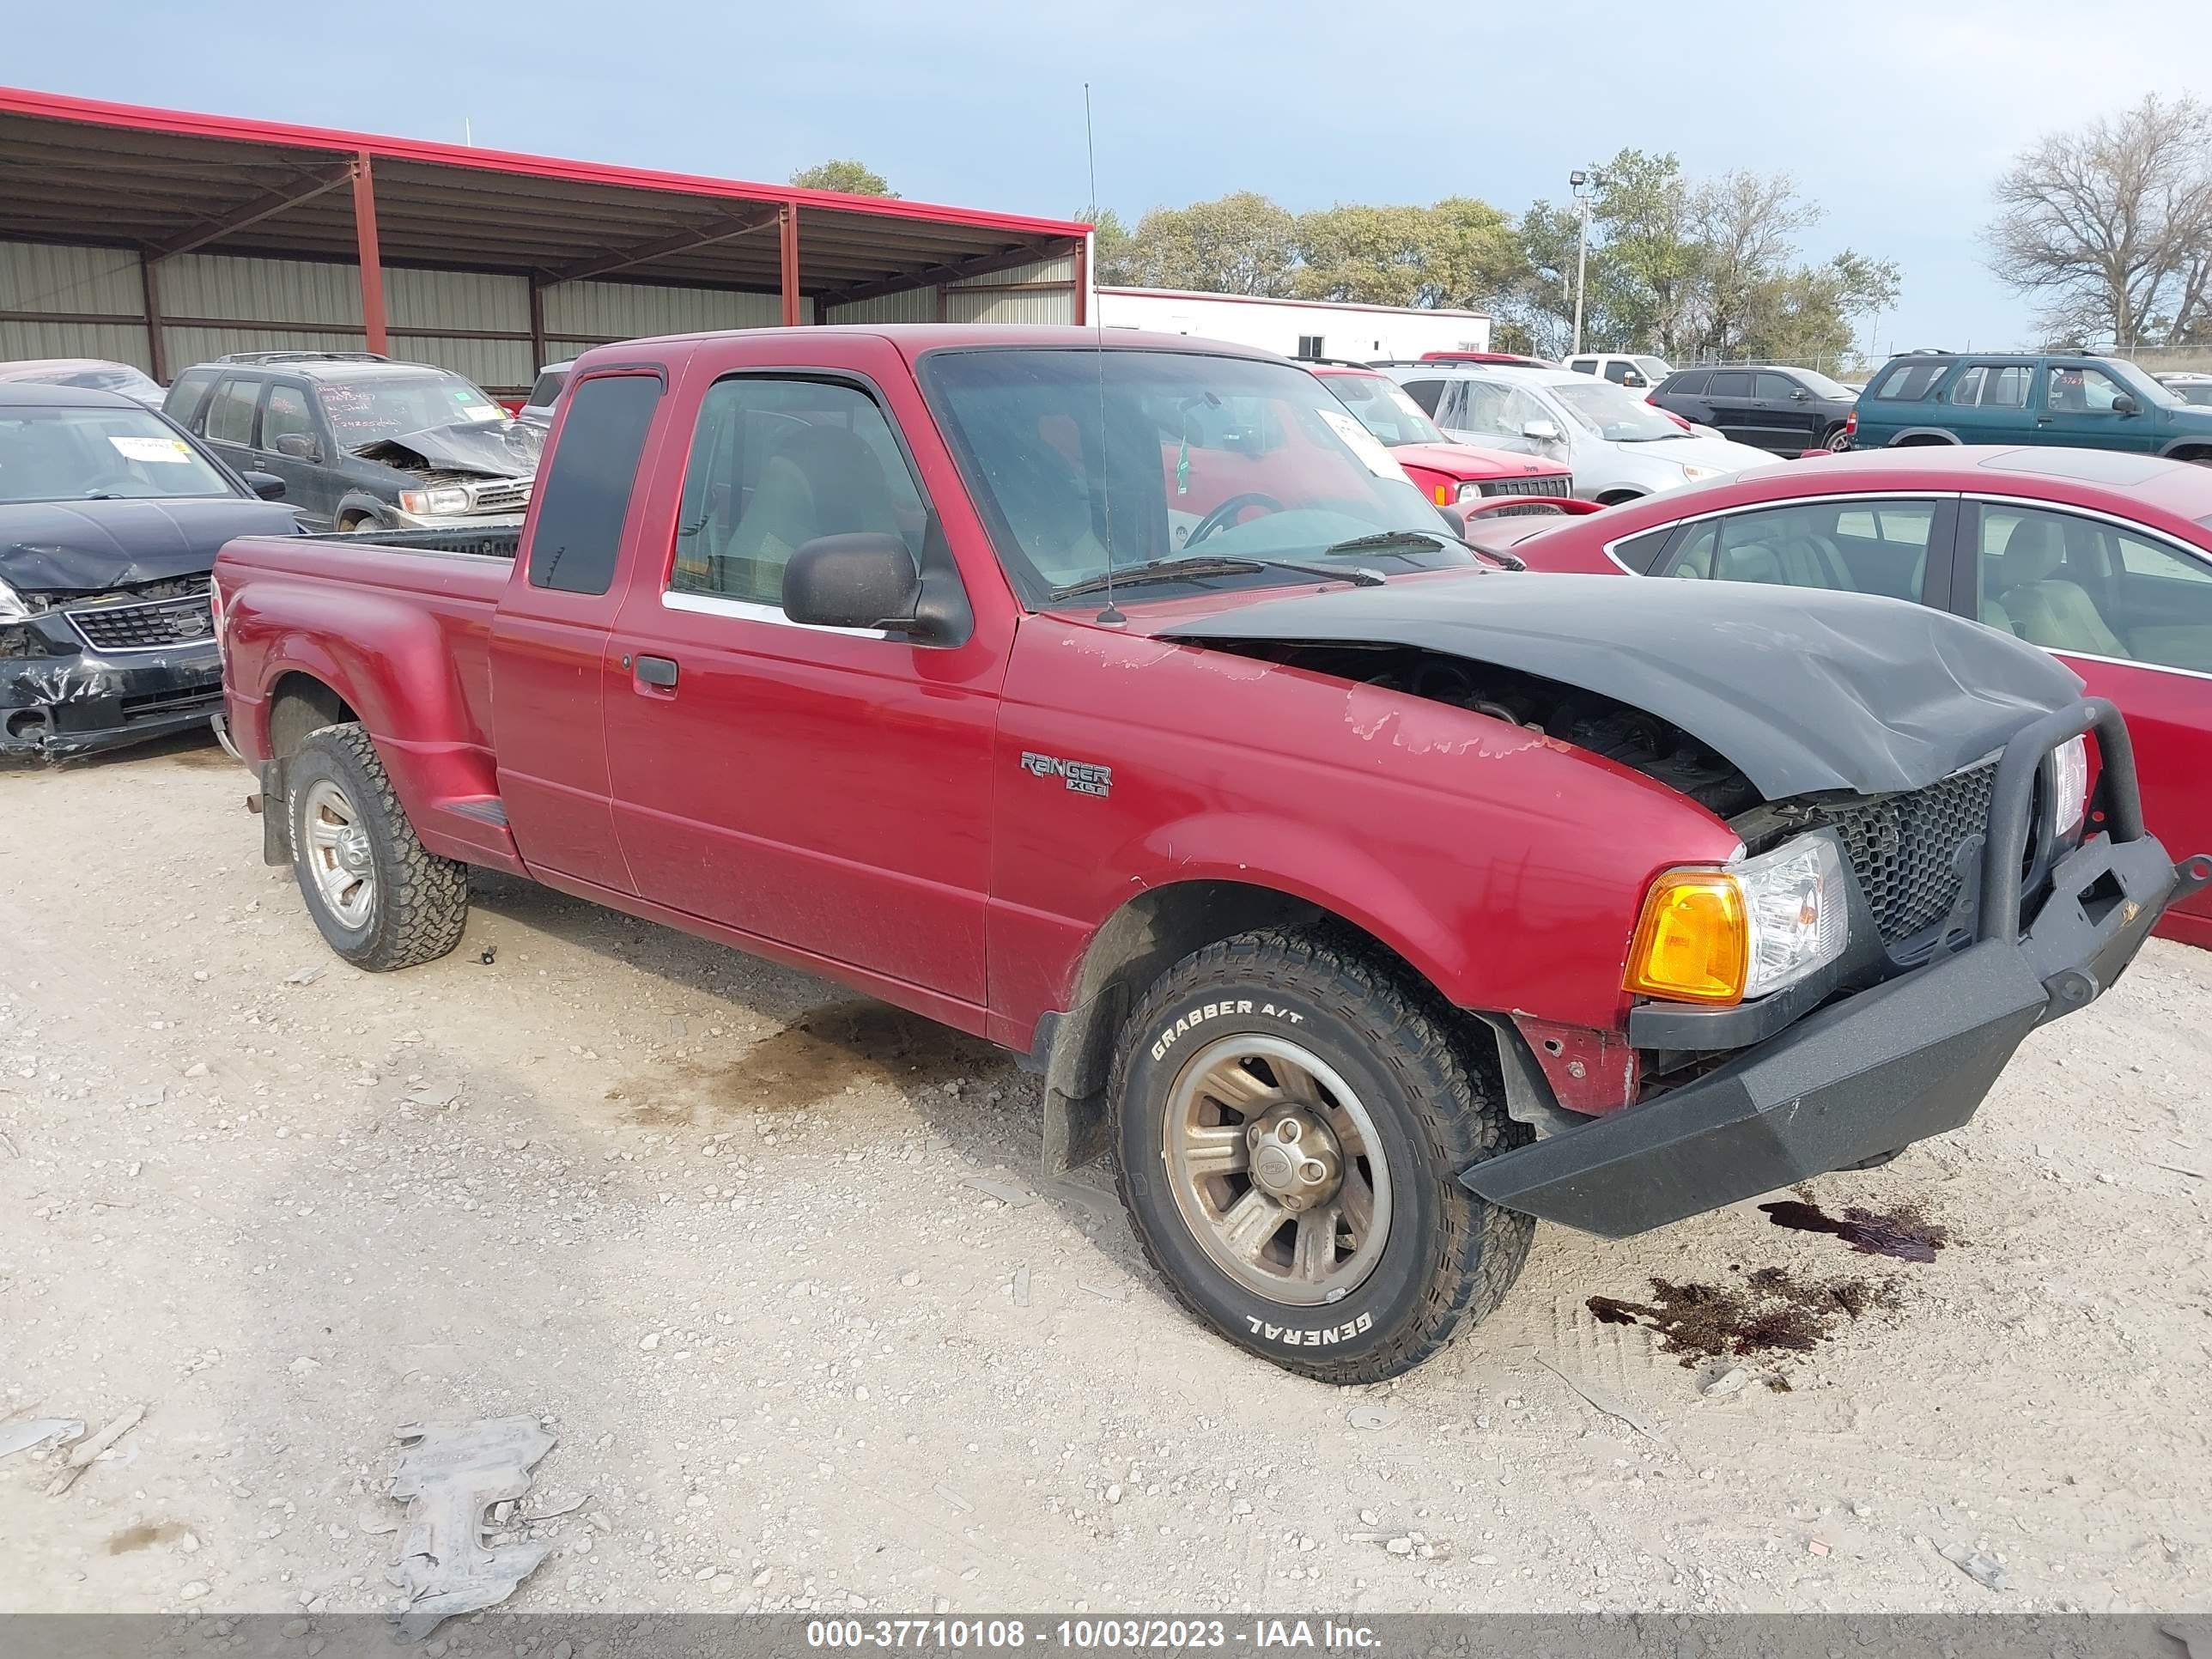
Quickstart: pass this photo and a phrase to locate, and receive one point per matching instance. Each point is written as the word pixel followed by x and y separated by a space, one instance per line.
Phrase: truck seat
pixel 823 481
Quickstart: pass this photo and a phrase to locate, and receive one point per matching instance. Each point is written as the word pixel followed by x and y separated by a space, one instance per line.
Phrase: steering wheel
pixel 1225 515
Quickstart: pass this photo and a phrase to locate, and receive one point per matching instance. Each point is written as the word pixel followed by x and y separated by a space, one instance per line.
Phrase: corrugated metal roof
pixel 81 170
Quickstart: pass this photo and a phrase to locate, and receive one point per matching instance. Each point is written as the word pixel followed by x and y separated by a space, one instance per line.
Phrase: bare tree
pixel 2108 225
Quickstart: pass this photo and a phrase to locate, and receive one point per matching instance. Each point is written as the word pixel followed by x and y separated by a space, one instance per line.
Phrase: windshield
pixel 1384 408
pixel 1654 368
pixel 1617 416
pixel 363 411
pixel 2143 385
pixel 1821 386
pixel 1081 458
pixel 98 454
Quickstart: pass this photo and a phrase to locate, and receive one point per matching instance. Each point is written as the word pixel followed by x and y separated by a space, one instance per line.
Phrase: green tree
pixel 853 177
pixel 1374 255
pixel 1109 246
pixel 1692 269
pixel 1241 243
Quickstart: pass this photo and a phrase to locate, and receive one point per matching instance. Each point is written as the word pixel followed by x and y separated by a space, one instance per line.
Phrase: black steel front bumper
pixel 59 699
pixel 1910 1058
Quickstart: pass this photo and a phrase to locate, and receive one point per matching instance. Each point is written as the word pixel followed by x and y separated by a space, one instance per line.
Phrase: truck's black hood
pixel 1804 690
pixel 85 547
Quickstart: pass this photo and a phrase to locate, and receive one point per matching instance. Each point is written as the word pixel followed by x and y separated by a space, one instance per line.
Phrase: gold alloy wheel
pixel 1277 1169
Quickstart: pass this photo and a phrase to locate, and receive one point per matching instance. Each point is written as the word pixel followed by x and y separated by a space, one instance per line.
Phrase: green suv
pixel 2086 402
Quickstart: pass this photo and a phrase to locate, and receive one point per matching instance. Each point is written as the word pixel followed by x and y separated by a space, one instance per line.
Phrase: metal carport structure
pixel 162 237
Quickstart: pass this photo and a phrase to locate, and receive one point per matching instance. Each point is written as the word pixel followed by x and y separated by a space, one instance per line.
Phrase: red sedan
pixel 2103 559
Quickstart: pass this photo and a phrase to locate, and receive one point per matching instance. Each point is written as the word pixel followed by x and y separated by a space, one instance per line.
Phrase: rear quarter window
pixel 1907 382
pixel 187 396
pixel 584 495
pixel 1688 384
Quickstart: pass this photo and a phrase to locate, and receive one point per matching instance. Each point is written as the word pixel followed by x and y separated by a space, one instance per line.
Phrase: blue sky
pixel 1894 116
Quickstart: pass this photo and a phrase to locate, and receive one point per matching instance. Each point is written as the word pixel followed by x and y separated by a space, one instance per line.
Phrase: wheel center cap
pixel 1294 1160
pixel 352 852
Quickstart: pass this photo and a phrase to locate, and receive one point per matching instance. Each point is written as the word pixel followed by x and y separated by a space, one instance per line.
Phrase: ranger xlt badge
pixel 1084 777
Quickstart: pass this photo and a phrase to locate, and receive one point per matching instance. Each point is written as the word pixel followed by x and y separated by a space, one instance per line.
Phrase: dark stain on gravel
pixel 814 1059
pixel 144 1536
pixel 1903 1233
pixel 1771 1313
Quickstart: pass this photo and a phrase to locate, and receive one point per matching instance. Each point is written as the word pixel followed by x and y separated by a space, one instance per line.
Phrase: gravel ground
pixel 774 1266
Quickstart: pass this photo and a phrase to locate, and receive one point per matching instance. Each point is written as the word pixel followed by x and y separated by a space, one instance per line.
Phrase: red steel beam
pixel 372 261
pixel 1082 283
pixel 788 235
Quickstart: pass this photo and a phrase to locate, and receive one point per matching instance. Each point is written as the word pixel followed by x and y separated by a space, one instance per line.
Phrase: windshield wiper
pixel 1202 564
pixel 1386 539
pixel 1383 538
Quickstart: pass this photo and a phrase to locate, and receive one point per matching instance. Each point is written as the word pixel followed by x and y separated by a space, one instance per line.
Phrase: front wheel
pixel 1291 1119
pixel 381 899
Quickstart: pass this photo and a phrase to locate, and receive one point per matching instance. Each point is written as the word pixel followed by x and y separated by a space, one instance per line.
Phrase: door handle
pixel 656 671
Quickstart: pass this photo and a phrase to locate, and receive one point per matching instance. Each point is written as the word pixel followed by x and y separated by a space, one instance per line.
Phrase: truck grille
pixel 505 495
pixel 1557 485
pixel 1905 848
pixel 153 627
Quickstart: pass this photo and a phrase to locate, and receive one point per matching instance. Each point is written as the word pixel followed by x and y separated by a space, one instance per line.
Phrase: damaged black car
pixel 363 442
pixel 110 520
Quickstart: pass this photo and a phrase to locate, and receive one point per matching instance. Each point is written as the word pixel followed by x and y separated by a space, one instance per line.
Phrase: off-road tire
pixel 1449 1257
pixel 421 900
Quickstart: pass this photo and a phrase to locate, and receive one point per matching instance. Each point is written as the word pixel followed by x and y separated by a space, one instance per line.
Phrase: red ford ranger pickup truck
pixel 1366 900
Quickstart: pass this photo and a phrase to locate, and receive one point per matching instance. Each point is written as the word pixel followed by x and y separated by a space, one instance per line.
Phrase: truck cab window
pixel 775 464
pixel 585 494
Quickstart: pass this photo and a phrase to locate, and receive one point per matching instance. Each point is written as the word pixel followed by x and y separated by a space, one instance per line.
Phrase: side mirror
pixel 1801 395
pixel 1544 432
pixel 865 580
pixel 1455 519
pixel 298 445
pixel 1633 379
pixel 2124 404
pixel 267 485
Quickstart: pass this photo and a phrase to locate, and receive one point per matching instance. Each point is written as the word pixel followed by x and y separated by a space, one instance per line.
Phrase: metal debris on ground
pixel 1605 1403
pixel 1368 1416
pixel 80 1455
pixel 1979 1565
pixel 305 976
pixel 1008 1193
pixel 26 1432
pixel 449 1475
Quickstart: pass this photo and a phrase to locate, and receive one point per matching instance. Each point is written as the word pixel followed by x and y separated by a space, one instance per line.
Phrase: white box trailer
pixel 1296 328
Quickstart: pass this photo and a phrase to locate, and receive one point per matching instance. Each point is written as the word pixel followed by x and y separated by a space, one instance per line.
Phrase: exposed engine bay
pixel 1587 719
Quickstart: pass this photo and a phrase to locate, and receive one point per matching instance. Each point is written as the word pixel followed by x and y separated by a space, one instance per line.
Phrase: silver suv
pixel 1617 446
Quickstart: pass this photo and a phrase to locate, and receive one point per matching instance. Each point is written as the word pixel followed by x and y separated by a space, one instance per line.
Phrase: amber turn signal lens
pixel 1692 942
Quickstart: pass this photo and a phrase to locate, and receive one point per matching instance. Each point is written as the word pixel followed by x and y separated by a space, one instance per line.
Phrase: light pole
pixel 1585 184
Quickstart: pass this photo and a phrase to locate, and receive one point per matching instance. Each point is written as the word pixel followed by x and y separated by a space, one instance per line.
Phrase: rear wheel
pixel 1836 439
pixel 381 899
pixel 1292 1117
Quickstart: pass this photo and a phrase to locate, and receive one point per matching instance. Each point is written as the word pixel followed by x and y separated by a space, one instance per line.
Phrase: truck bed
pixel 397 621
